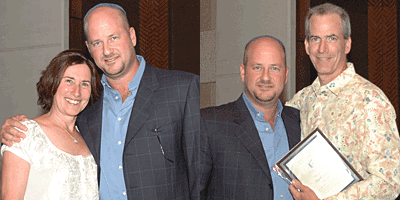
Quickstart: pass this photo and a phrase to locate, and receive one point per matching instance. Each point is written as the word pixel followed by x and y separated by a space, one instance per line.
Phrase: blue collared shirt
pixel 113 132
pixel 275 144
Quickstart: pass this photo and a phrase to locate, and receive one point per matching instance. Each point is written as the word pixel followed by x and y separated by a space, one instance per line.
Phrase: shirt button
pixel 120 167
pixel 119 142
pixel 124 193
pixel 267 129
pixel 281 196
pixel 116 97
pixel 119 118
pixel 258 114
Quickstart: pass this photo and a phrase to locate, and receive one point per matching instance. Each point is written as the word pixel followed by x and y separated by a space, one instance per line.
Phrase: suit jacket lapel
pixel 94 124
pixel 248 135
pixel 292 126
pixel 145 101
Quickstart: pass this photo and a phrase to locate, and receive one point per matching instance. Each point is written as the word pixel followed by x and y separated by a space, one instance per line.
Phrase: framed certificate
pixel 316 163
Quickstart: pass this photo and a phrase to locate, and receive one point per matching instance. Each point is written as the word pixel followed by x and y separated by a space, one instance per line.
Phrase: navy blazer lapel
pixel 291 120
pixel 145 101
pixel 248 135
pixel 94 123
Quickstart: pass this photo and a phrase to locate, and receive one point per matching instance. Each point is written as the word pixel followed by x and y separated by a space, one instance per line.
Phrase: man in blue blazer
pixel 143 132
pixel 242 140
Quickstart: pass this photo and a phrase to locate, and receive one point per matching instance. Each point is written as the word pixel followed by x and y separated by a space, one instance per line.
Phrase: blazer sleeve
pixel 191 131
pixel 205 160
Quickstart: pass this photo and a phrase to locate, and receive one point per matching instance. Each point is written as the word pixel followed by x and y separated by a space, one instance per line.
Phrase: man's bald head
pixel 102 9
pixel 254 40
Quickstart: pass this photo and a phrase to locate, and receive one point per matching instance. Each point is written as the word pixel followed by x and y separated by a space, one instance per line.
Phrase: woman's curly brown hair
pixel 52 75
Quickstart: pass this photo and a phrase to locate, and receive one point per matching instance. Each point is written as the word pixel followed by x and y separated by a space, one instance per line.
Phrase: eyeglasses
pixel 162 150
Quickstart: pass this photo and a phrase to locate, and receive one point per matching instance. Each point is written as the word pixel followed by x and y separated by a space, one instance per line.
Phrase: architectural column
pixel 383 66
pixel 153 28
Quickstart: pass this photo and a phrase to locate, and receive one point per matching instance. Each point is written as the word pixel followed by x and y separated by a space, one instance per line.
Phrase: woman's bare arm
pixel 14 176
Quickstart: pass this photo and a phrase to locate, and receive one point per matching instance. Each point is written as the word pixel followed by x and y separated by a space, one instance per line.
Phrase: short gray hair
pixel 328 8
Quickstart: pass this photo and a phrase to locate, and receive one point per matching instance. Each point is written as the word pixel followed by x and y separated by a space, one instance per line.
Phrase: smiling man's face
pixel 265 73
pixel 327 46
pixel 111 42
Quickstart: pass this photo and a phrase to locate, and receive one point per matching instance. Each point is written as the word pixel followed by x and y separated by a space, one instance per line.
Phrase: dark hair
pixel 51 77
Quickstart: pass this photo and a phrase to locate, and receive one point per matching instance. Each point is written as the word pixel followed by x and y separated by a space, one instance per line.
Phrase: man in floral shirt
pixel 355 114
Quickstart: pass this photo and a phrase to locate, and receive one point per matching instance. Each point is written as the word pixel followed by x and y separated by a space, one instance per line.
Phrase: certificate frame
pixel 283 170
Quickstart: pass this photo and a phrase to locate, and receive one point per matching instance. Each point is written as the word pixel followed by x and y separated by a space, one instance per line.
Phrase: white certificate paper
pixel 315 162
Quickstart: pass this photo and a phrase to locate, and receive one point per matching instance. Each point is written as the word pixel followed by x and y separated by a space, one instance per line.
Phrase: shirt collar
pixel 337 84
pixel 254 111
pixel 134 83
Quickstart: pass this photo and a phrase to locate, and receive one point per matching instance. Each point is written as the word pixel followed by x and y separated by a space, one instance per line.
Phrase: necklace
pixel 74 138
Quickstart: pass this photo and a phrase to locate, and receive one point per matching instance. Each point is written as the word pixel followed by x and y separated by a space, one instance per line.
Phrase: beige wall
pixel 207 53
pixel 31 34
pixel 226 26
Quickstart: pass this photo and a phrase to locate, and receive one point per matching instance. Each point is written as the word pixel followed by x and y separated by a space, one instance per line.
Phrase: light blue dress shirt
pixel 275 144
pixel 113 132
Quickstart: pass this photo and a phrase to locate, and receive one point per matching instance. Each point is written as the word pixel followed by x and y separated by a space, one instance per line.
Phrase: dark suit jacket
pixel 233 164
pixel 167 104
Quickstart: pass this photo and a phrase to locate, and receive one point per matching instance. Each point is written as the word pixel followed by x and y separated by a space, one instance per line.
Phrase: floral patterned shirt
pixel 360 121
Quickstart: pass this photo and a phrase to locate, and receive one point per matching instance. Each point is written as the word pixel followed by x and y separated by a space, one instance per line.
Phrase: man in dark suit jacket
pixel 236 155
pixel 159 147
pixel 156 147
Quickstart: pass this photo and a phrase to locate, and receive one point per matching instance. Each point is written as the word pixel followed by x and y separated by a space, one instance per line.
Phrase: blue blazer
pixel 233 164
pixel 166 111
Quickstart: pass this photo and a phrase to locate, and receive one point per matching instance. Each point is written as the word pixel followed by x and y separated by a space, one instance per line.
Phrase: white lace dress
pixel 53 173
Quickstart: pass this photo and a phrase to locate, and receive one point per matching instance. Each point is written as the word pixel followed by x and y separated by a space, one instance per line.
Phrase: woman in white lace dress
pixel 53 161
